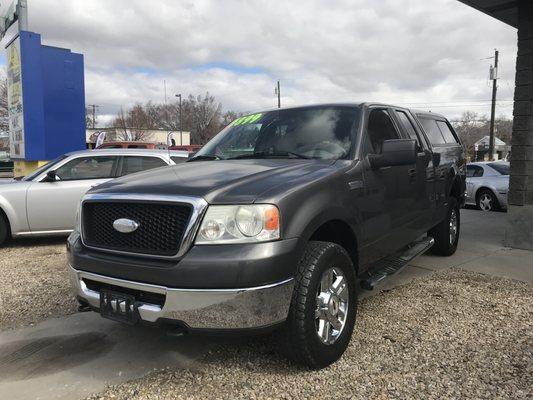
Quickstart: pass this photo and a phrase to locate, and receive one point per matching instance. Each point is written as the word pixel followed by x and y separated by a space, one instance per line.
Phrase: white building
pixel 481 148
pixel 157 136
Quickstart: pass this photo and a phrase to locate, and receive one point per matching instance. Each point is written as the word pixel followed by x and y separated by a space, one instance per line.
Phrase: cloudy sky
pixel 419 53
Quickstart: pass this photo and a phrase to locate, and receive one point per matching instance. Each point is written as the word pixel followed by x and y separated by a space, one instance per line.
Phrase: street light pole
pixel 181 132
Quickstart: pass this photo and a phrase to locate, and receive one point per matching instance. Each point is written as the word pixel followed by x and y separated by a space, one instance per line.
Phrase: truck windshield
pixel 321 132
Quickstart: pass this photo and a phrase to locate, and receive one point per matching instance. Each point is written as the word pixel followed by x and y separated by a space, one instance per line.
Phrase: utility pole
pixel 94 107
pixel 494 77
pixel 278 92
pixel 181 132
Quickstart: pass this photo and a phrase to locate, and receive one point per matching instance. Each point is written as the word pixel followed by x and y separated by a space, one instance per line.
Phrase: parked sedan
pixel 487 184
pixel 45 202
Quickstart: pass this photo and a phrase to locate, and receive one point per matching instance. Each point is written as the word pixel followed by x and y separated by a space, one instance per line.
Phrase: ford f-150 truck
pixel 275 224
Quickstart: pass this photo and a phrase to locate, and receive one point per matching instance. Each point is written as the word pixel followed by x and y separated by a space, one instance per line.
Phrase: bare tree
pixel 133 124
pixel 471 127
pixel 201 115
pixel 229 117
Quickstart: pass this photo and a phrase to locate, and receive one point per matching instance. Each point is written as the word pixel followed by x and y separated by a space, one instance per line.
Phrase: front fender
pixel 13 204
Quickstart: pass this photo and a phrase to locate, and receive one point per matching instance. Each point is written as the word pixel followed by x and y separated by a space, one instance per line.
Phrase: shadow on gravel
pixel 44 356
pixel 35 242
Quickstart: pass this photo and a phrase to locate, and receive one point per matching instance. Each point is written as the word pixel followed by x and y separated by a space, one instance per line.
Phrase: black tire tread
pixel 496 204
pixel 295 341
pixel 440 232
pixel 4 228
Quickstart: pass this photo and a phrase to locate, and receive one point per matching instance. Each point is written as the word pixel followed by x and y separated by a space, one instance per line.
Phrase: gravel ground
pixel 451 335
pixel 34 283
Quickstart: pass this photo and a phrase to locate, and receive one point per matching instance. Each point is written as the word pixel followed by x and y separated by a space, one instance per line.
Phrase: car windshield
pixel 39 170
pixel 321 132
pixel 500 167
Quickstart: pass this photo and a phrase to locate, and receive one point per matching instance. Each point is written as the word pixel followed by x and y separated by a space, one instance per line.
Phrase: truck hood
pixel 218 182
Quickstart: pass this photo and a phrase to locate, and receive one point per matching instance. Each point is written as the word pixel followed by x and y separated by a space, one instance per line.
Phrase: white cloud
pixel 419 52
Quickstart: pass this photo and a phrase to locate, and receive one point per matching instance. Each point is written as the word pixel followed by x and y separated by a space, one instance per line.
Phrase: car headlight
pixel 239 224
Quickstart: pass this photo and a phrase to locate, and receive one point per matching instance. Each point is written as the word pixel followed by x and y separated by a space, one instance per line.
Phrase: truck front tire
pixel 4 228
pixel 446 233
pixel 323 307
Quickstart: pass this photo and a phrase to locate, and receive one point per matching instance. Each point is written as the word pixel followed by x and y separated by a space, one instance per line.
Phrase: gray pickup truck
pixel 274 225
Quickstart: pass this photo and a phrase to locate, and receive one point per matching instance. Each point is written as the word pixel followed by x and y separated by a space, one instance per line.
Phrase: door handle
pixel 412 174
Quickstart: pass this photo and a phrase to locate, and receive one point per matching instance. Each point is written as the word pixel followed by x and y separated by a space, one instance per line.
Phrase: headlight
pixel 239 224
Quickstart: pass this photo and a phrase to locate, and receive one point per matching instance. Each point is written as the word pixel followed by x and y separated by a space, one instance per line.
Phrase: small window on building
pixel 449 137
pixel 432 130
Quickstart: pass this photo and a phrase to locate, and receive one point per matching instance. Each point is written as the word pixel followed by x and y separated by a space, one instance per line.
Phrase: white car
pixel 45 202
pixel 487 184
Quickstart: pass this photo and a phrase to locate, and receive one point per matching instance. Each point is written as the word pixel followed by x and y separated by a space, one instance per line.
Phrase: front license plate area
pixel 118 307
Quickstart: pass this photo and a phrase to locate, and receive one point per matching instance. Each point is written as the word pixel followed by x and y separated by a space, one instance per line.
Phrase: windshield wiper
pixel 206 157
pixel 264 154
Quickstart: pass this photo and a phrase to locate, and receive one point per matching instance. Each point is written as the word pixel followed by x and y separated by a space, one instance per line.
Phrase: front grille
pixel 160 231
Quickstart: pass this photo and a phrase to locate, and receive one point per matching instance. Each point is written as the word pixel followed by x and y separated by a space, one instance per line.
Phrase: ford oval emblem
pixel 125 225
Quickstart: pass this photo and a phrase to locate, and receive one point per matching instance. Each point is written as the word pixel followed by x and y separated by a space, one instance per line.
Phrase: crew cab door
pixel 51 206
pixel 447 153
pixel 388 202
pixel 421 177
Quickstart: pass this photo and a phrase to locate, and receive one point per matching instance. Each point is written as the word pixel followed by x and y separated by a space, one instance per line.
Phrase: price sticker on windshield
pixel 247 119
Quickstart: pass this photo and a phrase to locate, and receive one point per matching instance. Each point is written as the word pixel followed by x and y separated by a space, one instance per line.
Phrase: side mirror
pixel 394 152
pixel 51 177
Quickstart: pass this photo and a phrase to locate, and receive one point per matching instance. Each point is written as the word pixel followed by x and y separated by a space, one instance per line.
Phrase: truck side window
pixel 446 132
pixel 408 125
pixel 380 127
pixel 432 130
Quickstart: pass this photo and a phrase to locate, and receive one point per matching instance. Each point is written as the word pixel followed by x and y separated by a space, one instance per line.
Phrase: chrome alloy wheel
pixel 454 226
pixel 332 301
pixel 485 202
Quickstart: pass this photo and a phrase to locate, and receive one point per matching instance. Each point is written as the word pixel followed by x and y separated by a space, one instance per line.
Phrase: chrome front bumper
pixel 254 307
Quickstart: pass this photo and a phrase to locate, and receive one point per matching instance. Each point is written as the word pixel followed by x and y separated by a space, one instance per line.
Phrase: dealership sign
pixel 15 100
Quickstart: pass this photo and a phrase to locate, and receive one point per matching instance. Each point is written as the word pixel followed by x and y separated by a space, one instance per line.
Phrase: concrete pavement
pixel 480 249
pixel 71 357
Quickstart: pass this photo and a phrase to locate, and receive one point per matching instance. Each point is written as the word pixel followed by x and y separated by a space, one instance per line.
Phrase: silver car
pixel 487 184
pixel 45 202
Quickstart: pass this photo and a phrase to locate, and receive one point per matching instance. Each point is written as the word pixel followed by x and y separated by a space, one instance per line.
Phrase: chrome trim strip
pixel 37 233
pixel 250 307
pixel 199 206
pixel 148 287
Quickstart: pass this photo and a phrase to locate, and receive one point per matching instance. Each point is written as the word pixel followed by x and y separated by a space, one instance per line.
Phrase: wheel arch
pixel 341 233
pixel 485 187
pixel 457 188
pixel 4 216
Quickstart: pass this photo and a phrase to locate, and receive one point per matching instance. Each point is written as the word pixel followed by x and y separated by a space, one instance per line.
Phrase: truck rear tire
pixel 446 233
pixel 323 307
